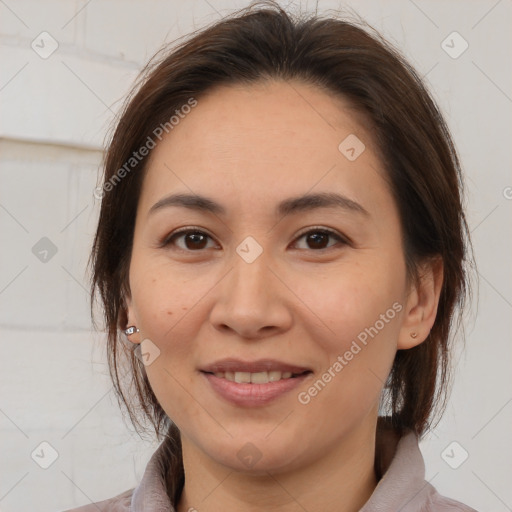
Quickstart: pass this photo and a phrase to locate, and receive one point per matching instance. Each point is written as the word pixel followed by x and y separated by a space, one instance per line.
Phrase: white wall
pixel 54 113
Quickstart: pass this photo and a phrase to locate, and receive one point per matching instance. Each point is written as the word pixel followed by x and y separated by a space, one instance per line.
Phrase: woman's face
pixel 292 264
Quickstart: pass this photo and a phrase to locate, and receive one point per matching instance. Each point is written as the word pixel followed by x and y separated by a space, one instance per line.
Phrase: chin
pixel 255 455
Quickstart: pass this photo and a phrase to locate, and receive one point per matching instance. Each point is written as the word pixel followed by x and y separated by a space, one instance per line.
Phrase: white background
pixel 54 114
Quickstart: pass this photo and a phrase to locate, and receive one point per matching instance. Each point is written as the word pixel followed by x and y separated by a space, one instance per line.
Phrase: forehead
pixel 272 138
pixel 290 113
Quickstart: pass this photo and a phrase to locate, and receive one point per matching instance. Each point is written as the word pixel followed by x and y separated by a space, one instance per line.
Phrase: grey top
pixel 402 486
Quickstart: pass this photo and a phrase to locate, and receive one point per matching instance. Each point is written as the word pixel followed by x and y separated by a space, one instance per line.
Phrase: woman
pixel 282 241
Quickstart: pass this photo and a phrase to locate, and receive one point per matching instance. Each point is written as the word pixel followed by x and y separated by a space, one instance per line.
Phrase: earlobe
pixel 128 323
pixel 421 305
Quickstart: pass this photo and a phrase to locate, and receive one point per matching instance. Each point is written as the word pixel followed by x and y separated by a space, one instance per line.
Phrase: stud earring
pixel 131 330
pixel 414 334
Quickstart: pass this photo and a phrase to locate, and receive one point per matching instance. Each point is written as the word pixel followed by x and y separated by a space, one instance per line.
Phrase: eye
pixel 317 238
pixel 193 239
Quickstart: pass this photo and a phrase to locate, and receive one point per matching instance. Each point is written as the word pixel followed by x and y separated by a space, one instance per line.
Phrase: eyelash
pixel 170 239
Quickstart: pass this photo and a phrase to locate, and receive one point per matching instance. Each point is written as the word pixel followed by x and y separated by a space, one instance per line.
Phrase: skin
pixel 248 148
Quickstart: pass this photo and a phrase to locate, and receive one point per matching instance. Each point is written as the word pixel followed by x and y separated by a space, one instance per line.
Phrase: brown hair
pixel 264 42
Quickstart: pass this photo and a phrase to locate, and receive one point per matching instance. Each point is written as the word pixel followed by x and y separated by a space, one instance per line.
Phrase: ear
pixel 421 305
pixel 128 318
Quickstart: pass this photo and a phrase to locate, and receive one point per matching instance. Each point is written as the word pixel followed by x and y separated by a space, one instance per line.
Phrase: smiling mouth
pixel 257 377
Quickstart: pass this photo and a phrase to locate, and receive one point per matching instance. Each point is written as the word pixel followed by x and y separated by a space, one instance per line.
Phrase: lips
pixel 255 383
pixel 261 365
pixel 254 378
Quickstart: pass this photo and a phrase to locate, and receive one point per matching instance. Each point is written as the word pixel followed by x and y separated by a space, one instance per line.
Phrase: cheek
pixel 165 303
pixel 358 351
pixel 363 316
pixel 165 308
pixel 162 293
pixel 352 303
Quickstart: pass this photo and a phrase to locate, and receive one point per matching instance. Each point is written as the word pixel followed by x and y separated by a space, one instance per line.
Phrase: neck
pixel 341 481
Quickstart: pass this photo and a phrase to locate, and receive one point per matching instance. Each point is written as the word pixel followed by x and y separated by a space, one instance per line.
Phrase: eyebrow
pixel 286 207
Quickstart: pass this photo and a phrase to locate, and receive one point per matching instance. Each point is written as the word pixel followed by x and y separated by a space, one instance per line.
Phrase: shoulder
pixel 438 503
pixel 402 485
pixel 120 503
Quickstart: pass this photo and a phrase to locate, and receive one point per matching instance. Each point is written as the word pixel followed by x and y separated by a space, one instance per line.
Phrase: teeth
pixel 242 377
pixel 254 378
pixel 259 378
pixel 273 376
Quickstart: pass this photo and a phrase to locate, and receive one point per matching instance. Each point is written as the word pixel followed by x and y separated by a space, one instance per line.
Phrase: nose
pixel 252 300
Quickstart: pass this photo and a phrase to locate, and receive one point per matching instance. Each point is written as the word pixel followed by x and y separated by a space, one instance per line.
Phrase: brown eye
pixel 318 239
pixel 193 240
